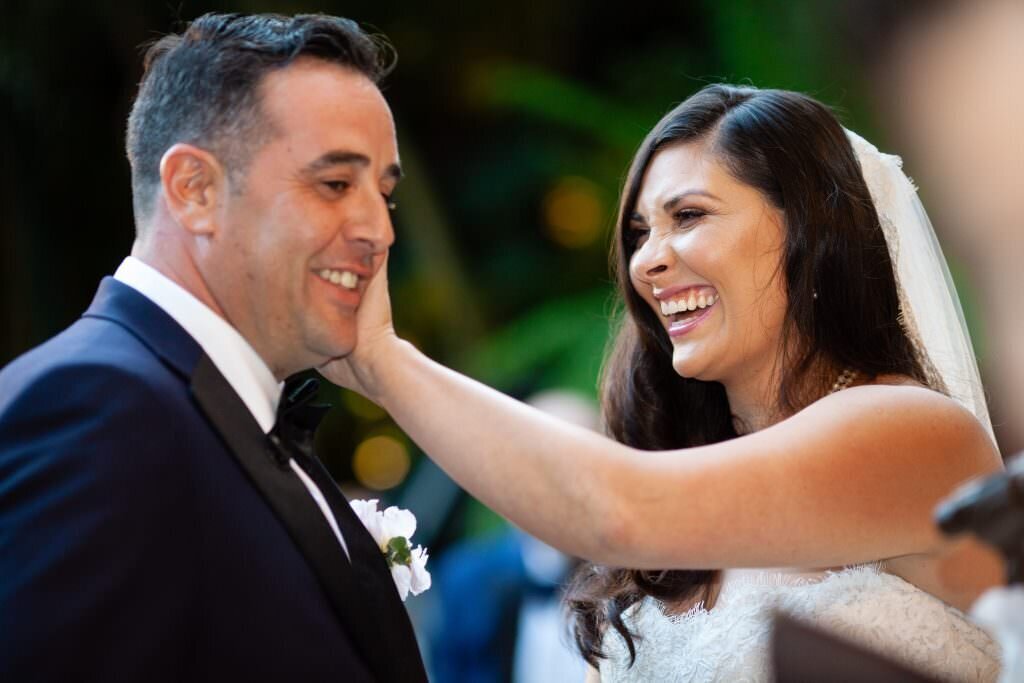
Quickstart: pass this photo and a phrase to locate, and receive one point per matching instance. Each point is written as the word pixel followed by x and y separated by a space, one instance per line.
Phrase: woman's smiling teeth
pixel 345 278
pixel 688 301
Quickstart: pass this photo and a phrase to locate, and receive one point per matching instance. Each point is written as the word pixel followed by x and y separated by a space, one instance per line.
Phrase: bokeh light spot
pixel 574 212
pixel 381 462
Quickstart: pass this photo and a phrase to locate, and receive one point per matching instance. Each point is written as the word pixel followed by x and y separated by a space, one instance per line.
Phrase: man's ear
pixel 193 183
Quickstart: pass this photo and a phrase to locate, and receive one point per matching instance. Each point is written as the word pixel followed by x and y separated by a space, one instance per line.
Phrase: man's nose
pixel 369 223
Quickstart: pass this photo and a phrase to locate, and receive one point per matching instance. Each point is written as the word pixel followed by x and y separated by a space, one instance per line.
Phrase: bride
pixel 789 395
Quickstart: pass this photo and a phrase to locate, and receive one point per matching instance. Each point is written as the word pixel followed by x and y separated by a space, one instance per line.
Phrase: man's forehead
pixel 307 71
pixel 331 107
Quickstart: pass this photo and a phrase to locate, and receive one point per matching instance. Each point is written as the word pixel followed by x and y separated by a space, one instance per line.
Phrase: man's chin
pixel 331 359
pixel 335 348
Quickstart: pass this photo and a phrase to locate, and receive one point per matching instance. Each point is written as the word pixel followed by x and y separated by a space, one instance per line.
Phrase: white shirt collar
pixel 241 366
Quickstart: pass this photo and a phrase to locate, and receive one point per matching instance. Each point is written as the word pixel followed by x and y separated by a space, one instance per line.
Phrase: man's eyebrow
pixel 342 158
pixel 337 158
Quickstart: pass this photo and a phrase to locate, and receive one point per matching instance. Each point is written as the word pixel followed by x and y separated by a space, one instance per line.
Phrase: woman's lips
pixel 685 306
pixel 677 328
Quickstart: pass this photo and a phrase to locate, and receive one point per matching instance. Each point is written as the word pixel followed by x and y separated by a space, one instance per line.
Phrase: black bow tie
pixel 297 420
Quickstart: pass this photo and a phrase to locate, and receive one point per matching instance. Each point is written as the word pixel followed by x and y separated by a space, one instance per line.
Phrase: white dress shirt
pixel 241 366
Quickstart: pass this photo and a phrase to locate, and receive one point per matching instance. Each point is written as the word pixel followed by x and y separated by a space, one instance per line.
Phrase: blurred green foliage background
pixel 516 124
pixel 516 121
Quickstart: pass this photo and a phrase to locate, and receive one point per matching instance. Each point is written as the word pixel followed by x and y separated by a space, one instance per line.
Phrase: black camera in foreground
pixel 991 508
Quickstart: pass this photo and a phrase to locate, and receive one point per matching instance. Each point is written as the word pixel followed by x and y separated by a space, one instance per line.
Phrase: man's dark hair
pixel 202 86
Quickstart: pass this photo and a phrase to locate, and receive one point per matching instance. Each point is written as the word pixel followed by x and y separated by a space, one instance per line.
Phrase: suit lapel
pixel 395 634
pixel 355 589
pixel 122 305
pixel 361 592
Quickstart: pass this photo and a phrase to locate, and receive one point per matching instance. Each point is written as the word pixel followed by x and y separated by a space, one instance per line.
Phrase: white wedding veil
pixel 930 310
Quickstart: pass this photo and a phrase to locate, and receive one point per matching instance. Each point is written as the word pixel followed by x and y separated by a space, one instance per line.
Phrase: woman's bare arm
pixel 852 478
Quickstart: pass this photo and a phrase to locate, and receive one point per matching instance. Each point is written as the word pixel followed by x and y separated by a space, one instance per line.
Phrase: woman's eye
pixel 687 216
pixel 637 236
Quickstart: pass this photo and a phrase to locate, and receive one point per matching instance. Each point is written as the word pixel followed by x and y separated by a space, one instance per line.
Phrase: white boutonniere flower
pixel 392 529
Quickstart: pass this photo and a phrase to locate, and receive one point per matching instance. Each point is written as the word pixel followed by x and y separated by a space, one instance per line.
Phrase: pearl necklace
pixel 844 380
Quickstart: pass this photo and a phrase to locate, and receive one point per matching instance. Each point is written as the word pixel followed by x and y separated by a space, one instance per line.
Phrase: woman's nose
pixel 651 258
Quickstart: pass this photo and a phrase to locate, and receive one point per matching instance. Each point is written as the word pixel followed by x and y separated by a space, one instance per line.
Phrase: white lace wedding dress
pixel 862 604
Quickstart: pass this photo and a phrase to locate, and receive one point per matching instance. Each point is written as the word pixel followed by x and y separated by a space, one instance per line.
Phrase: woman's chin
pixel 687 365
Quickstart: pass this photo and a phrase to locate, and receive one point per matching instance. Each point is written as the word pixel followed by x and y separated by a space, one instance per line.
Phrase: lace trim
pixel 863 604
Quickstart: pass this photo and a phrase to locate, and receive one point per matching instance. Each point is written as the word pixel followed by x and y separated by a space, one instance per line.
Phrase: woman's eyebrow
pixel 672 203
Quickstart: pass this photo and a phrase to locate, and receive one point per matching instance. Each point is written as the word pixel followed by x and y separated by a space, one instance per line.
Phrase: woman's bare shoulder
pixel 900 407
pixel 896 427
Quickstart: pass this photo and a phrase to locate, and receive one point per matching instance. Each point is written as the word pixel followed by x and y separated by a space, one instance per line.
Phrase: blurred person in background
pixel 947 76
pixel 502 618
pixel 773 335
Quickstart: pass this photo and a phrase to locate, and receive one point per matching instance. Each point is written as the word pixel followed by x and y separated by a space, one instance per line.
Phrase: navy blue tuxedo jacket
pixel 148 534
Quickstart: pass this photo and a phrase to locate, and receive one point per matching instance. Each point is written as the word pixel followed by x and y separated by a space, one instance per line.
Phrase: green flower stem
pixel 397 551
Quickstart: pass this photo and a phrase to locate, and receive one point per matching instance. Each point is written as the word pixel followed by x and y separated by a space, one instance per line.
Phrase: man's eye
pixel 336 185
pixel 389 202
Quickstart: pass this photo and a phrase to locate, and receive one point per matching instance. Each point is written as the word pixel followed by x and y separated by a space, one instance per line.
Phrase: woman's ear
pixel 193 182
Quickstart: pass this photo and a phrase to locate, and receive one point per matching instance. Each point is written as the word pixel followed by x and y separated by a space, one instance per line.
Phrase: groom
pixel 156 521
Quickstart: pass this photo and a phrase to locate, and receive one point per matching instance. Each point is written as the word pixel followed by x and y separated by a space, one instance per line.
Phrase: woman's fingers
pixel 373 328
pixel 375 307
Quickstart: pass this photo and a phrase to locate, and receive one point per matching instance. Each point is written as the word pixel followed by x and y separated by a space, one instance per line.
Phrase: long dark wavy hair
pixel 842 309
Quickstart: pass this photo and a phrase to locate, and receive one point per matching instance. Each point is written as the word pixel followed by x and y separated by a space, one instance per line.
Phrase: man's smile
pixel 344 278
